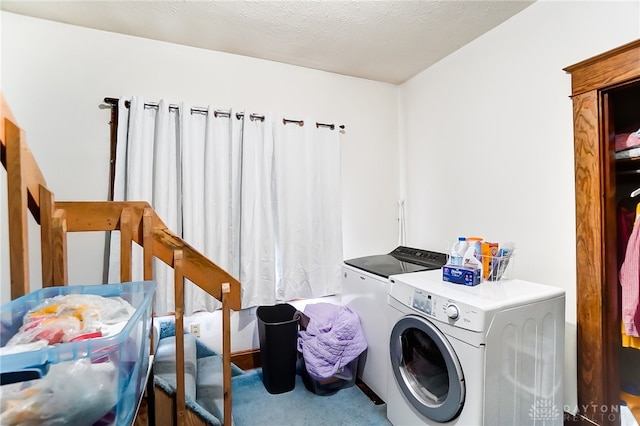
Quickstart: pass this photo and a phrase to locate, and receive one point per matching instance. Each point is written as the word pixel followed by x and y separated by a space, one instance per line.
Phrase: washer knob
pixel 453 312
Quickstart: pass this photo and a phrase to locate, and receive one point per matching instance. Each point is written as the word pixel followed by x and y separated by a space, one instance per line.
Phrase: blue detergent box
pixel 461 275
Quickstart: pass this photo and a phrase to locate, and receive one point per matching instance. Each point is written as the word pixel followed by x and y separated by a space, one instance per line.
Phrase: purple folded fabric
pixel 333 339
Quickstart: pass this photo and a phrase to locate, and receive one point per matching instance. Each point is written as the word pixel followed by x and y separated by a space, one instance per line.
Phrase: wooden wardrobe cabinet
pixel 603 88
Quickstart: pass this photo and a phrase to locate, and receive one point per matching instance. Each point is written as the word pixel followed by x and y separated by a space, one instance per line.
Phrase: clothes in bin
pixel 344 378
pixel 330 342
pixel 96 371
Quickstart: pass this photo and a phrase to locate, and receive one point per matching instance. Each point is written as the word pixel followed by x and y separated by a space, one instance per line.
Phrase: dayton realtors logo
pixel 544 410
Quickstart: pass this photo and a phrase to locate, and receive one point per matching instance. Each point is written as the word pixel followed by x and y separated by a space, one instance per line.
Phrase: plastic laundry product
pixel 470 259
pixel 489 252
pixel 457 251
pixel 476 243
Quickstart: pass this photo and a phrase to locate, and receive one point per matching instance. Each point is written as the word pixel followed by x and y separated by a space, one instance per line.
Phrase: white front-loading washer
pixel 486 355
pixel 365 286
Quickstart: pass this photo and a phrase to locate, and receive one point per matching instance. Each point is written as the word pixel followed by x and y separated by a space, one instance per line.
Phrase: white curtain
pixel 309 225
pixel 257 233
pixel 150 151
pixel 210 175
pixel 165 183
pixel 261 199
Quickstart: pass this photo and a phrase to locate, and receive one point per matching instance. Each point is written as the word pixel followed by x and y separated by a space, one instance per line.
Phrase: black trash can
pixel 278 332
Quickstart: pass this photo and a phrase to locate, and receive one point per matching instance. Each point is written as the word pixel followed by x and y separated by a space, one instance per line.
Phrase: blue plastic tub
pixel 126 352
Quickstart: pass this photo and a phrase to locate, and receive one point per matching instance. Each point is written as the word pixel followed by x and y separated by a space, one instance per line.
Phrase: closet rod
pixel 628 172
pixel 199 110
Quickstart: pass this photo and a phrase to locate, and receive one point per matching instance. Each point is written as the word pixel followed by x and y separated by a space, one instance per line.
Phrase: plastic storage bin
pixel 278 332
pixel 341 380
pixel 123 357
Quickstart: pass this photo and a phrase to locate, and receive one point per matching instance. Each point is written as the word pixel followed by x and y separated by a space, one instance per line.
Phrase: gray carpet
pixel 254 406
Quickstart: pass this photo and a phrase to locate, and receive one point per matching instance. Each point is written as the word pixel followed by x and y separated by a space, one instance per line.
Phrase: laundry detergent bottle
pixel 457 251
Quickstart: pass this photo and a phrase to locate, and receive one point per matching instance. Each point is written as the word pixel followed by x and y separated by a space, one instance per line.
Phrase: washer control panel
pixel 423 302
pixel 447 310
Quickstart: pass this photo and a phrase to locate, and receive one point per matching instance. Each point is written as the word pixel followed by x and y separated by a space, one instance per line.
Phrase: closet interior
pixel 624 109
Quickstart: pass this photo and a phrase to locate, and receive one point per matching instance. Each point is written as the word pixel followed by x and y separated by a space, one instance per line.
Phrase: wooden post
pixel 179 299
pixel 226 353
pixel 147 242
pixel 147 246
pixel 59 247
pixel 126 237
pixel 18 204
pixel 47 208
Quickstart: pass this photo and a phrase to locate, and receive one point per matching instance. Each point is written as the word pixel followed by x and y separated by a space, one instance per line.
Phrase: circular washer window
pixel 427 369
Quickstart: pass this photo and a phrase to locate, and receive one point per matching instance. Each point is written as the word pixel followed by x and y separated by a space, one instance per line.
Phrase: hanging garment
pixel 630 283
pixel 626 220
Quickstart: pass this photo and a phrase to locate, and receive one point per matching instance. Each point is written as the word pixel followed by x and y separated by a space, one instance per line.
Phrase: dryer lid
pixel 401 260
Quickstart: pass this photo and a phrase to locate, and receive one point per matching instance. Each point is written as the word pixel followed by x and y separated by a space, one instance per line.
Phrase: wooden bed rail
pixel 137 223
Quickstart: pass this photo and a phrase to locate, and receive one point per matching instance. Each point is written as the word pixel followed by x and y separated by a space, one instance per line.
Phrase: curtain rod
pixel 222 113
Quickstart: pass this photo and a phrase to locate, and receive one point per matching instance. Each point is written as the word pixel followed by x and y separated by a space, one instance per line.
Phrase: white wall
pixel 489 139
pixel 55 76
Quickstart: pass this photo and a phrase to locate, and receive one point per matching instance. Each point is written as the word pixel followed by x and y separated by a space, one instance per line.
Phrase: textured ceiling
pixel 388 41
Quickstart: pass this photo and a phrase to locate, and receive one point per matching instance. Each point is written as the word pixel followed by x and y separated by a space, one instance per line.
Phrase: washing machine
pixel 491 354
pixel 365 285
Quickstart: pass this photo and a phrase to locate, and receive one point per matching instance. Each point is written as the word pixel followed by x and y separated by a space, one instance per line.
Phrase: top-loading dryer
pixel 491 354
pixel 364 288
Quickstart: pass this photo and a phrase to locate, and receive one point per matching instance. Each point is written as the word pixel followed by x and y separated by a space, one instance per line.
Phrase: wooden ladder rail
pixel 137 222
pixel 111 215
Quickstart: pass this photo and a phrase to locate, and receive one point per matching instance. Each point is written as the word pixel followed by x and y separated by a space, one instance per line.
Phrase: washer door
pixel 427 369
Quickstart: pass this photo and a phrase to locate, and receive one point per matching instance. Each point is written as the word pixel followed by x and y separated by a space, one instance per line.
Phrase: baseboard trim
pixel 247 360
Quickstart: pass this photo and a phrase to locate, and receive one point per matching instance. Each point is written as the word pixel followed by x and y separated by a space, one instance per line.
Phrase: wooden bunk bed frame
pixel 138 223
